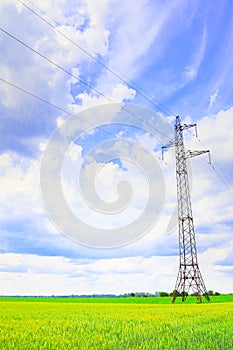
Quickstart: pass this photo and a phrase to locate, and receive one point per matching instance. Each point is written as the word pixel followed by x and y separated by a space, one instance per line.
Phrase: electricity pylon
pixel 189 276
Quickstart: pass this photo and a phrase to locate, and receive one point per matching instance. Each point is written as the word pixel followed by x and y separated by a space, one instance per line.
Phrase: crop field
pixel 114 324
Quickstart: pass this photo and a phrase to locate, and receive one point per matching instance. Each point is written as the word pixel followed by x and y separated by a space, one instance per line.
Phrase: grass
pixel 114 324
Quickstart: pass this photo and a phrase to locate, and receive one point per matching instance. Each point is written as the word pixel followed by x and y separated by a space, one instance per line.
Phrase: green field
pixel 127 323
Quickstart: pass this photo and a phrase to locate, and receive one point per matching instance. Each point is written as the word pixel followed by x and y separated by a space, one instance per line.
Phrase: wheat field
pixel 105 325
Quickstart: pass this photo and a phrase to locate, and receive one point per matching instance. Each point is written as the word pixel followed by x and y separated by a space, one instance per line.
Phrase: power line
pixel 60 108
pixel 76 77
pixel 220 173
pixel 53 105
pixel 222 176
pixel 225 180
pixel 230 188
pixel 53 63
pixel 158 105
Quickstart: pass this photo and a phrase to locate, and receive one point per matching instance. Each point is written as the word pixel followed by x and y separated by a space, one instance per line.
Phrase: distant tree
pixel 163 294
pixel 210 292
pixel 217 293
pixel 175 292
pixel 132 294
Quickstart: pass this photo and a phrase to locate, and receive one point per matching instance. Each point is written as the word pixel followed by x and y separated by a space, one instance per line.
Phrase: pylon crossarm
pixel 168 145
pixel 187 126
pixel 191 154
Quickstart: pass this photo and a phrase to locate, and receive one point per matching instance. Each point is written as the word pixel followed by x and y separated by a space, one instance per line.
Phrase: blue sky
pixel 176 53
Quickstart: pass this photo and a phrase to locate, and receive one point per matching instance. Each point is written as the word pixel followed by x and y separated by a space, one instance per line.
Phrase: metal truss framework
pixel 189 277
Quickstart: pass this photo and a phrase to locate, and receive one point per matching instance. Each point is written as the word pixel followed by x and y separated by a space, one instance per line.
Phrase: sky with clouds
pixel 148 61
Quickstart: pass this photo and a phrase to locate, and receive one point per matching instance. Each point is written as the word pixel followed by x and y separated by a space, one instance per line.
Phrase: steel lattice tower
pixel 189 276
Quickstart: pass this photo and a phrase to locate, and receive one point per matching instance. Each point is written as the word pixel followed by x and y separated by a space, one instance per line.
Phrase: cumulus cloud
pixel 20 65
pixel 211 130
pixel 56 275
pixel 34 275
pixel 209 208
pixel 19 181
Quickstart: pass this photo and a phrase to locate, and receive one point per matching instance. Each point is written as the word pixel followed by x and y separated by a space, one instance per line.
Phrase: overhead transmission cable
pixel 213 164
pixel 97 91
pixel 163 109
pixel 58 107
pixel 53 105
pixel 79 79
pixel 102 62
pixel 220 173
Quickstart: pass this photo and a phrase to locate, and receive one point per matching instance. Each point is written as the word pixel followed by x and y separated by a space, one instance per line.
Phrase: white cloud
pixel 35 275
pixel 117 94
pixel 19 182
pixel 98 190
pixel 31 274
pixel 122 92
pixel 127 53
pixel 213 98
pixel 97 13
pixel 55 275
pixel 216 133
pixel 216 276
pixel 21 66
pixel 192 70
